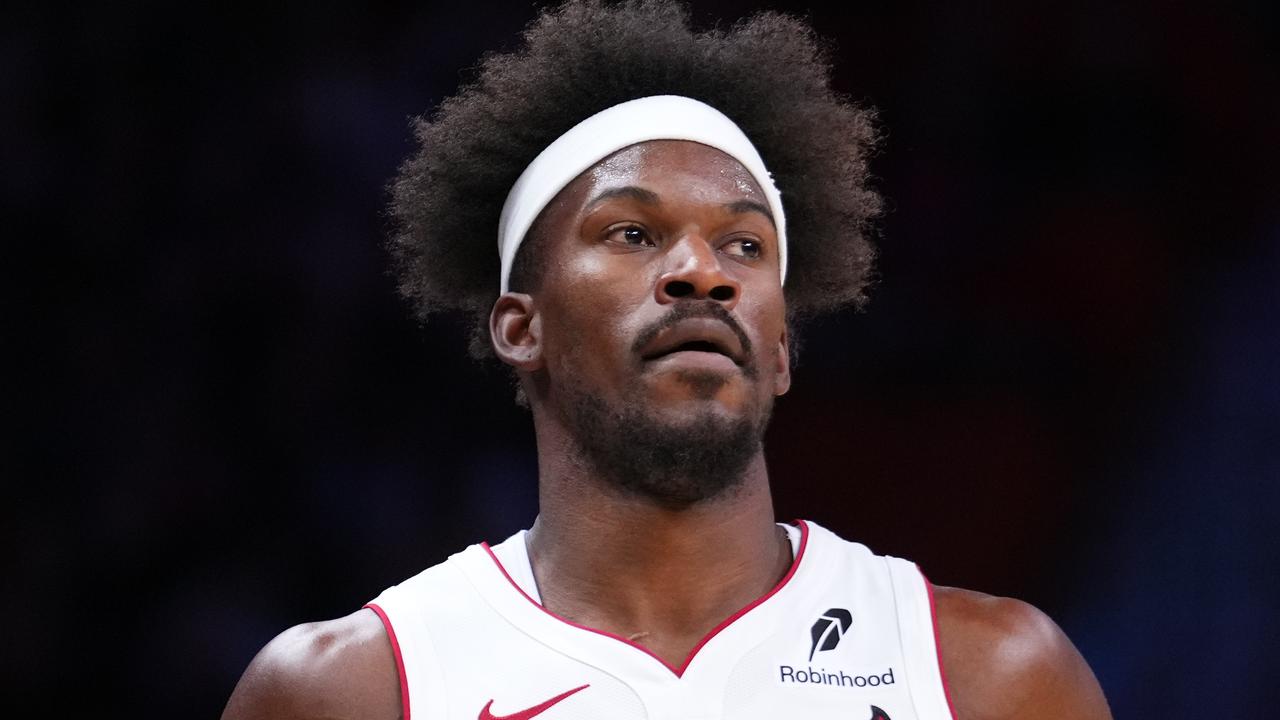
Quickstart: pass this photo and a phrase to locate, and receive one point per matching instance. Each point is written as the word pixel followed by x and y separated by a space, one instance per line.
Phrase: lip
pixel 695 360
pixel 713 342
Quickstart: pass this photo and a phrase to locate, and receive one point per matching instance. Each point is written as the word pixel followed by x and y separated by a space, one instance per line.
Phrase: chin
pixel 672 450
pixel 701 389
pixel 695 418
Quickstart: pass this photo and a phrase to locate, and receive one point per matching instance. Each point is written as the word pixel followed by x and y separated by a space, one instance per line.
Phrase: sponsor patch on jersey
pixel 837 678
pixel 825 635
pixel 829 629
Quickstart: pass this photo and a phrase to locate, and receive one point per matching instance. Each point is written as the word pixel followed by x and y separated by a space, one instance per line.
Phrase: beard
pixel 674 464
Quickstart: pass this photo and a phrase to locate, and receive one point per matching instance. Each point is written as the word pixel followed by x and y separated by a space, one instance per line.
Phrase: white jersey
pixel 846 634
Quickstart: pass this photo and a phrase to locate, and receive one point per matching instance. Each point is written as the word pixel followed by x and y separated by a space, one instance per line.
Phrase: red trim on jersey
pixel 937 644
pixel 395 647
pixel 679 672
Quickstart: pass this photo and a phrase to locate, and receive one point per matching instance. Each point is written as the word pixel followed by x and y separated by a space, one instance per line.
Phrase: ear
pixel 515 329
pixel 782 366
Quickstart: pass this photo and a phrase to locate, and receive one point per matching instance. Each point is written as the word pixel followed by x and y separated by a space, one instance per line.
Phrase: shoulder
pixel 336 669
pixel 1006 659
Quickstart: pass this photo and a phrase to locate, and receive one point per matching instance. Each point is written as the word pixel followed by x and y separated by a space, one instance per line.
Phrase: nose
pixel 694 272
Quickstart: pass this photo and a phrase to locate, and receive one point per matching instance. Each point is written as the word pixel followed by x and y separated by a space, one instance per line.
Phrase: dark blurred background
pixel 223 421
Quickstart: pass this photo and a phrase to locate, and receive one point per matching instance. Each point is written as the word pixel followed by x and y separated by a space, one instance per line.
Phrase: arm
pixel 1005 659
pixel 336 670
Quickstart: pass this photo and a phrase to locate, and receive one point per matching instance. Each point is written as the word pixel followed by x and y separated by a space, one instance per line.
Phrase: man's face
pixel 662 314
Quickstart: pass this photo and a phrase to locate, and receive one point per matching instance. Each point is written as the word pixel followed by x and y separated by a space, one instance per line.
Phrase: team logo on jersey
pixel 828 630
pixel 528 713
pixel 878 714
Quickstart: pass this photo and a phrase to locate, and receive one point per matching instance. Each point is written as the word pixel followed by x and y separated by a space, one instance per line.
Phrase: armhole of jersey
pixel 918 630
pixel 395 647
pixel 937 643
pixel 421 676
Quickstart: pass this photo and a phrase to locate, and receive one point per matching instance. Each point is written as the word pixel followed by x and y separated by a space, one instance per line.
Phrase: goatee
pixel 674 465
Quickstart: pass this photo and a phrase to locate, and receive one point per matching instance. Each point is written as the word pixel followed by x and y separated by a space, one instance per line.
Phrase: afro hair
pixel 769 73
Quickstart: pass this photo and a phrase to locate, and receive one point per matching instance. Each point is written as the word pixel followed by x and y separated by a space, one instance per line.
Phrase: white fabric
pixel 660 117
pixel 469 637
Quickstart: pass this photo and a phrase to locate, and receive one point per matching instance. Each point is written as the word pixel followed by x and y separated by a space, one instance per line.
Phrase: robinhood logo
pixel 826 633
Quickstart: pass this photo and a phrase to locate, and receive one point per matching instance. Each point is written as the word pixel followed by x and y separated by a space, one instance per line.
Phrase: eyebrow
pixel 746 206
pixel 630 192
pixel 648 197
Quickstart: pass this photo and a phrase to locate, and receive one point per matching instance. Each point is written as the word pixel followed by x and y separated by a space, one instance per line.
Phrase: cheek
pixel 584 337
pixel 772 354
pixel 584 268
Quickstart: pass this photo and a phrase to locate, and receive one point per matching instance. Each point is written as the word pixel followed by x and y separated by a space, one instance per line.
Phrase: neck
pixel 664 577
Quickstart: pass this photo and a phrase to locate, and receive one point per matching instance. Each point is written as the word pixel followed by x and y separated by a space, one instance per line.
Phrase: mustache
pixel 694 309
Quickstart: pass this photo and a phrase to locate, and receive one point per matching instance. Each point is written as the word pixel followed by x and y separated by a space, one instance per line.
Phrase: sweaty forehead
pixel 677 165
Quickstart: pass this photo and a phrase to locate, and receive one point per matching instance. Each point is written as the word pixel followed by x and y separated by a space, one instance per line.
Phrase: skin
pixel 657 224
pixel 690 240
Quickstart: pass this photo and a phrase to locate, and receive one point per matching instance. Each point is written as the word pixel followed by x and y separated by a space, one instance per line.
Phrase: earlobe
pixel 782 368
pixel 515 332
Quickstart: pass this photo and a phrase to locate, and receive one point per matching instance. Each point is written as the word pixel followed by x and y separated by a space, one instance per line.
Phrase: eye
pixel 744 247
pixel 633 235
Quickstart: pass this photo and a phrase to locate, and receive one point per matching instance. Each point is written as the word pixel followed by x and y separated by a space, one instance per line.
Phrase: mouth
pixel 694 346
pixel 703 339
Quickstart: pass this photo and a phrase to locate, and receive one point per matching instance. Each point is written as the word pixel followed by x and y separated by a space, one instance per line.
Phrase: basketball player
pixel 664 203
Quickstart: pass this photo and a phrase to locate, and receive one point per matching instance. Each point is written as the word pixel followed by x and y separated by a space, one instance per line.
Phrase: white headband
pixel 661 117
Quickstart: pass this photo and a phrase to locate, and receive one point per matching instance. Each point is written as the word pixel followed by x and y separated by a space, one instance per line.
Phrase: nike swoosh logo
pixel 531 712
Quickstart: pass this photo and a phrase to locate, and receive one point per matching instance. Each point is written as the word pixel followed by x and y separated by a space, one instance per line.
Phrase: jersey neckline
pixel 677 671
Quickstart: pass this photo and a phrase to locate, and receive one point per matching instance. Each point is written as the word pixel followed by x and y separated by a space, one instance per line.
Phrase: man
pixel 654 191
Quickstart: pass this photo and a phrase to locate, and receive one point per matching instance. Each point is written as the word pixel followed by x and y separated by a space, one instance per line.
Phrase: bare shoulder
pixel 1006 659
pixel 336 669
